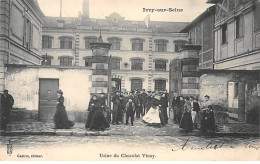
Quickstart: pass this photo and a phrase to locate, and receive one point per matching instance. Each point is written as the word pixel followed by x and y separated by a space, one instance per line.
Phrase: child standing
pixel 130 110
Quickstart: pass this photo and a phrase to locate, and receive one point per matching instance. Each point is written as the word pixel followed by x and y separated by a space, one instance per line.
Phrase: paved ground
pixel 139 128
pixel 84 144
pixel 146 141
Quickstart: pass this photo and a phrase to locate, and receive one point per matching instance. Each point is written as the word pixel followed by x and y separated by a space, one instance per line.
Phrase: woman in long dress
pixel 208 120
pixel 93 103
pixel 61 118
pixel 152 117
pixel 186 119
pixel 96 119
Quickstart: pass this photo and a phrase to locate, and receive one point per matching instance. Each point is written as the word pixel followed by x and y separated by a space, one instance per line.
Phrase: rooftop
pixel 115 20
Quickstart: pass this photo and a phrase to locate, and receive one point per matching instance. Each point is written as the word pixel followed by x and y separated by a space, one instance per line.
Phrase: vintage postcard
pixel 132 80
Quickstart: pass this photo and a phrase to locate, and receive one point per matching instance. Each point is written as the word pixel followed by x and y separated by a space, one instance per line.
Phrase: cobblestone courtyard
pixel 122 139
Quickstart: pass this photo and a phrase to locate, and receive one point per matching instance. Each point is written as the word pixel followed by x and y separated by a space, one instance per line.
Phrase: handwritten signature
pixel 212 146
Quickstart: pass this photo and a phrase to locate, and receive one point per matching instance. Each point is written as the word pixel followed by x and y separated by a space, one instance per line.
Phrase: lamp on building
pixel 45 60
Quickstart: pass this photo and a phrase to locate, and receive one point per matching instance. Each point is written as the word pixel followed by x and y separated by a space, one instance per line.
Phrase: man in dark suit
pixel 142 98
pixel 116 108
pixel 7 102
pixel 175 107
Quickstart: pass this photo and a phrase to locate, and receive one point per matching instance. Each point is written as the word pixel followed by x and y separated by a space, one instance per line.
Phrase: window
pixel 136 84
pixel 28 34
pixel 47 41
pixel 137 44
pixel 65 43
pixel 239 26
pixel 160 85
pixel 199 34
pixel 89 40
pixel 88 61
pixel 66 61
pixel 161 45
pixel 224 33
pixel 160 65
pixel 257 17
pixel 46 60
pixel 179 44
pixel 115 63
pixel 115 43
pixel 137 64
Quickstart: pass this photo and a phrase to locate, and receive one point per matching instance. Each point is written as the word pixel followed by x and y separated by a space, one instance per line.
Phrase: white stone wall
pixel 23 85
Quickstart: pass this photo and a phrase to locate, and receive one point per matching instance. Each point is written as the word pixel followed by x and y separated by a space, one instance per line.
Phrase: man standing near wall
pixel 7 102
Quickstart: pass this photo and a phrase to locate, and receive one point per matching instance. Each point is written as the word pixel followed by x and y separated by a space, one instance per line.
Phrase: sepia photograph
pixel 129 80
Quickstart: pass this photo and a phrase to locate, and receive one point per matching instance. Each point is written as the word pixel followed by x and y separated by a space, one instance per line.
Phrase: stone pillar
pixel 101 73
pixel 184 75
pixel 189 66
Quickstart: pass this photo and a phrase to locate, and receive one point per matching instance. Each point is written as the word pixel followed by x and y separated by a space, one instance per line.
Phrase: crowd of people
pixel 151 107
pixel 191 114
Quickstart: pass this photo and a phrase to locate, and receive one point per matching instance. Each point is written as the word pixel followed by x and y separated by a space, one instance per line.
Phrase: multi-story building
pixel 237 35
pixel 20 34
pixel 140 50
pixel 201 32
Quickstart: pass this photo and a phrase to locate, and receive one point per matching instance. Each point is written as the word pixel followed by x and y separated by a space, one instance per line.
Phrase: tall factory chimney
pixel 85 9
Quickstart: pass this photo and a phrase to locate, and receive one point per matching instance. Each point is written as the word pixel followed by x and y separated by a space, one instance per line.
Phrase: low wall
pixel 23 84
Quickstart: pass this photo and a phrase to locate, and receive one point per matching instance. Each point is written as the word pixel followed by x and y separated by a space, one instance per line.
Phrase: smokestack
pixel 60 9
pixel 85 9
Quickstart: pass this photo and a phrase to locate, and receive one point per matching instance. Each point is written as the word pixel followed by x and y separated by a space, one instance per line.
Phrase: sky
pixel 130 9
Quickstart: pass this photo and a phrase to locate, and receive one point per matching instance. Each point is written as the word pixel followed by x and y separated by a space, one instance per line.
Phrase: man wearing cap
pixel 7 102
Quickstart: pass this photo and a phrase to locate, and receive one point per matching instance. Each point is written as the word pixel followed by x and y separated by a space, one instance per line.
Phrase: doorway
pixel 117 84
pixel 47 98
pixel 236 100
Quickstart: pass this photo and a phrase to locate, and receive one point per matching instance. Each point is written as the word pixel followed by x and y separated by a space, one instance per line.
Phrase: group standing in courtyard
pixel 151 108
pixel 189 114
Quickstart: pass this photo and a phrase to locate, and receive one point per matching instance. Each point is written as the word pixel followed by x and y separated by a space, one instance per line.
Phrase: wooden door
pixel 48 98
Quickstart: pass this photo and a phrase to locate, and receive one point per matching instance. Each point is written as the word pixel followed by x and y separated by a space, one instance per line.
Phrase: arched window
pixel 161 45
pixel 160 65
pixel 115 43
pixel 88 40
pixel 137 44
pixel 66 42
pixel 47 41
pixel 179 44
pixel 160 85
pixel 65 60
pixel 137 64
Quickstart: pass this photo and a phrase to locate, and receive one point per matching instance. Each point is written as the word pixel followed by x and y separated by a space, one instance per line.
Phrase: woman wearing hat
pixel 186 119
pixel 61 118
pixel 96 119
